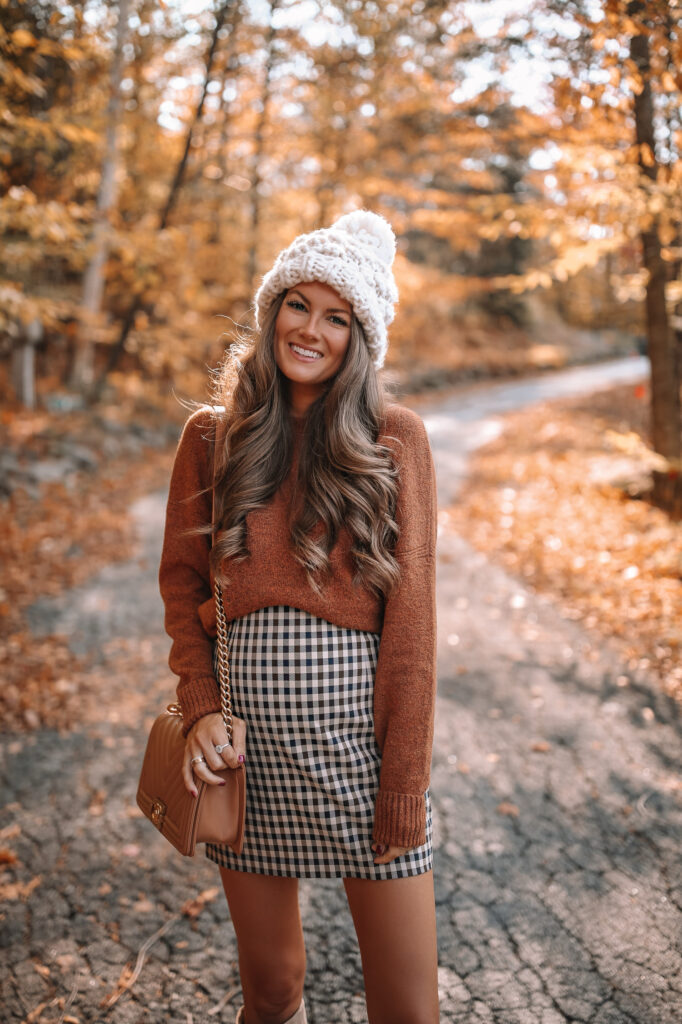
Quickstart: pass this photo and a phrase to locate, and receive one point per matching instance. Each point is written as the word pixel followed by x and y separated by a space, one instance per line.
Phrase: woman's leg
pixel 267 921
pixel 395 921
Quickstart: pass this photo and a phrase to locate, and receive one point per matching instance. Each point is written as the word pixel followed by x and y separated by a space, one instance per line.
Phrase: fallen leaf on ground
pixel 11 891
pixel 193 907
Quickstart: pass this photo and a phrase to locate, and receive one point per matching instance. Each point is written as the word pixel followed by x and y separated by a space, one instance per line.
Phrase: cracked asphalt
pixel 557 798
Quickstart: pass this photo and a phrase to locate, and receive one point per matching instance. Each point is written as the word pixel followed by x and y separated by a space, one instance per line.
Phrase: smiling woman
pixel 312 331
pixel 324 524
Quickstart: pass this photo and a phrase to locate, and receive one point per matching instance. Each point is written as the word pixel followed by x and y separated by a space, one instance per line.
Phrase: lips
pixel 303 352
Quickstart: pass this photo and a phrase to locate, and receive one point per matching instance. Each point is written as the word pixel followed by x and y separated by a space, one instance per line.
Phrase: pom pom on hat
pixel 372 229
pixel 354 256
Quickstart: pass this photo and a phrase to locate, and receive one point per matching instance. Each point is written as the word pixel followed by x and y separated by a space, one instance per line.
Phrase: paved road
pixel 556 786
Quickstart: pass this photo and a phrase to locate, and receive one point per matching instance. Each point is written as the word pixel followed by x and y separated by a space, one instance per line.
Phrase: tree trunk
pixel 129 318
pixel 666 433
pixel 259 145
pixel 231 67
pixel 83 369
pixel 23 364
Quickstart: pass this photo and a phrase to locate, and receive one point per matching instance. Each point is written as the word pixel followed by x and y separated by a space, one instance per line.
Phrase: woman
pixel 324 541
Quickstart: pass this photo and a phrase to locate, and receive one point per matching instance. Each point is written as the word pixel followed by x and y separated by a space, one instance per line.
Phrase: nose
pixel 311 328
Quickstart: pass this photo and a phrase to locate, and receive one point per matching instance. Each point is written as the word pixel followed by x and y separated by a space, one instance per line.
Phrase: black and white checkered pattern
pixel 305 689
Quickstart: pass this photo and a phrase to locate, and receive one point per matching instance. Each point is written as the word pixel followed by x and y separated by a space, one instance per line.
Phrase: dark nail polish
pixel 221 783
pixel 241 759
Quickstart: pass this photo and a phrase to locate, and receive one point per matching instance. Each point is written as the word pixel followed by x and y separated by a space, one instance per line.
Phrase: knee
pixel 276 993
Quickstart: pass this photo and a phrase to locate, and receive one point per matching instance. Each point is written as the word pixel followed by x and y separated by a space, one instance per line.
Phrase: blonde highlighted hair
pixel 346 478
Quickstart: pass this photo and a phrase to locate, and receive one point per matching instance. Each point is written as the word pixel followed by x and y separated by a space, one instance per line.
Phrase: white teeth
pixel 309 352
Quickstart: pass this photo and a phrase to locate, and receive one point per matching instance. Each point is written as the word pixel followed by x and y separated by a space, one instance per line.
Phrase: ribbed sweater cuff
pixel 198 698
pixel 399 819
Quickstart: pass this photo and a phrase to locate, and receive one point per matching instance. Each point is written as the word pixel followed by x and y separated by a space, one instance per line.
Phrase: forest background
pixel 154 159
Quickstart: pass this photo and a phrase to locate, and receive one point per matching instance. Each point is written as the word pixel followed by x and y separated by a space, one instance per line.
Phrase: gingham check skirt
pixel 305 690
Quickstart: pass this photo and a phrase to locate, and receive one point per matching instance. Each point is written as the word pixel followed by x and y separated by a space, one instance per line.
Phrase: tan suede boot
pixel 298 1018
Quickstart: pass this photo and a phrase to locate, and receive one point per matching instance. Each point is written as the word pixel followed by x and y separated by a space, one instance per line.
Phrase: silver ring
pixel 196 759
pixel 221 746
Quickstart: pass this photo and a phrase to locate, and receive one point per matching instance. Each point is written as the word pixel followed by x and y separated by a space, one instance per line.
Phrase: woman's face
pixel 312 331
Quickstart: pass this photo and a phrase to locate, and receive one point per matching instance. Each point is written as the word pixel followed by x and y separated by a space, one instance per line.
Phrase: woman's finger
pixel 385 854
pixel 231 752
pixel 202 771
pixel 214 759
pixel 187 776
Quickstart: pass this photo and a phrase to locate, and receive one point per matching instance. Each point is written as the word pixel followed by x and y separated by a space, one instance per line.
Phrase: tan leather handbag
pixel 217 814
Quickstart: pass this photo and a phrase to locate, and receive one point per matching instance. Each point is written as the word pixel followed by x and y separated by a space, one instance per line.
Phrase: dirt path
pixel 558 821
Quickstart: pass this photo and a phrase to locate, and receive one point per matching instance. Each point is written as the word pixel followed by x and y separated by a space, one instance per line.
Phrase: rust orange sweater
pixel 405 680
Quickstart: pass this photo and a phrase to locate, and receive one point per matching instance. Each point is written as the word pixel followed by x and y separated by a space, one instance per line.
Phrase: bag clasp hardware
pixel 174 709
pixel 158 813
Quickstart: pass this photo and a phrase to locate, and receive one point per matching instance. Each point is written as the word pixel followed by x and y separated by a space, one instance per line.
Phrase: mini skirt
pixel 305 689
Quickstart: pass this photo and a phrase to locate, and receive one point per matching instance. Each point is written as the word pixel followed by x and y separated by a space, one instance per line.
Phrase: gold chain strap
pixel 223 663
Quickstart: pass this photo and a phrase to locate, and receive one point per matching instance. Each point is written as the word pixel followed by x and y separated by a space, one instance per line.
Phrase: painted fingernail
pixel 194 793
pixel 221 783
pixel 241 759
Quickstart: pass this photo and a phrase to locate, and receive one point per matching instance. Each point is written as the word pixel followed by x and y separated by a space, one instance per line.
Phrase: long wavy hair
pixel 346 479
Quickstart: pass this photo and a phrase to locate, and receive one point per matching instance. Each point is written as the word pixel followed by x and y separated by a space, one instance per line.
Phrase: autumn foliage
pixel 237 127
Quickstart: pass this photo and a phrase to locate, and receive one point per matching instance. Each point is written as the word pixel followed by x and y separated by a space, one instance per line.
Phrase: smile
pixel 306 353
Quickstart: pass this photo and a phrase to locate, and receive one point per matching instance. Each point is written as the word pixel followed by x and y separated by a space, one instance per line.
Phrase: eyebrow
pixel 330 309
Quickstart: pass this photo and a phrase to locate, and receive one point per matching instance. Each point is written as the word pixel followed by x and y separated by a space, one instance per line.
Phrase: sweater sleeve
pixel 184 578
pixel 405 681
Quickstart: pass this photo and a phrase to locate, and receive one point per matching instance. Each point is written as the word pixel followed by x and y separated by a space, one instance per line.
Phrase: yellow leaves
pixel 668 82
pixel 673 291
pixel 76 133
pixel 634 83
pixel 23 82
pixel 646 155
pixel 632 444
pixel 23 39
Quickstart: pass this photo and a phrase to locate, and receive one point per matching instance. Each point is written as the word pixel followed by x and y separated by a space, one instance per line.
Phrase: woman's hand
pixel 205 735
pixel 385 854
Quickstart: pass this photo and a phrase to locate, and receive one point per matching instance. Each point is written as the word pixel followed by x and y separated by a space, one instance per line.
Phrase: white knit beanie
pixel 354 256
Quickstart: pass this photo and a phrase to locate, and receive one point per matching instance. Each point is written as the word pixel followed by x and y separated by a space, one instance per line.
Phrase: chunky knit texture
pixel 405 680
pixel 354 256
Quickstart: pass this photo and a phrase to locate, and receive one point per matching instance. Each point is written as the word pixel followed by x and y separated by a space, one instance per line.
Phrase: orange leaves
pixel 23 39
pixel 193 907
pixel 53 542
pixel 550 500
pixel 13 891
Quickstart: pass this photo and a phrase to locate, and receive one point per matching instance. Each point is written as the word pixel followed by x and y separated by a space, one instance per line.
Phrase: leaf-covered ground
pixel 551 499
pixel 68 482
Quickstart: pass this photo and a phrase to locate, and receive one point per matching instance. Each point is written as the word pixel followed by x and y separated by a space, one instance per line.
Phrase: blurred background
pixel 155 157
